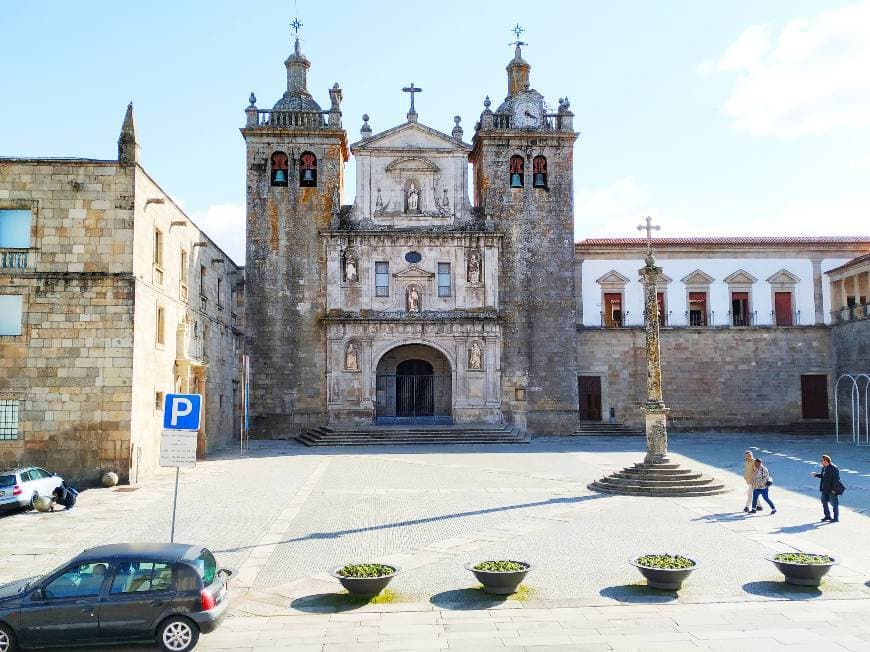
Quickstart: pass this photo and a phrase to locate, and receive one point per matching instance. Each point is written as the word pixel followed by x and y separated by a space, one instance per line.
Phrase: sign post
pixel 181 417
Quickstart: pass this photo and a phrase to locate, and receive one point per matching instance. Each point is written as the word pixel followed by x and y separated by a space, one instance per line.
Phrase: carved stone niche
pixel 350 266
pixel 475 356
pixel 474 267
pixel 352 354
pixel 413 298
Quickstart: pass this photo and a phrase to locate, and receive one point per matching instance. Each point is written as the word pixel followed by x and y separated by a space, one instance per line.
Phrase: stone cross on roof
pixel 412 114
pixel 649 228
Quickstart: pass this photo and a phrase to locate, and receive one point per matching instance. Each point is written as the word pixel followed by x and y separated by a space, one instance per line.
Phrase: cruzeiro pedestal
pixel 657 475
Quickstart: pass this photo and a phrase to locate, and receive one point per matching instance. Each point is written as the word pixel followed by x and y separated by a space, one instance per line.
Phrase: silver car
pixel 20 487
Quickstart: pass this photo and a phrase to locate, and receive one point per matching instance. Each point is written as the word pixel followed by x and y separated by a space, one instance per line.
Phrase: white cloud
pixel 225 224
pixel 612 210
pixel 809 78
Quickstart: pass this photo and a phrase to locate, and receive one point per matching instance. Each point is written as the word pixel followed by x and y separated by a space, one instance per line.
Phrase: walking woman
pixel 749 476
pixel 761 486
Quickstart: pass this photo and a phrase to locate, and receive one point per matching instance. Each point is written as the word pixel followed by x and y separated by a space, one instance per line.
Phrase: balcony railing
pixel 742 320
pixel 288 119
pixel 851 313
pixel 13 258
pixel 615 322
pixel 785 319
pixel 698 319
pixel 198 349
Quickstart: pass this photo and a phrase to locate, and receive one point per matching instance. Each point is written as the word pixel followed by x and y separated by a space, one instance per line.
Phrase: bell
pixel 538 180
pixel 516 180
pixel 308 175
pixel 280 176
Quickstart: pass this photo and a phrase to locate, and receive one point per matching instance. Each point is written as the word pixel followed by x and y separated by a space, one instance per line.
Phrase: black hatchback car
pixel 166 593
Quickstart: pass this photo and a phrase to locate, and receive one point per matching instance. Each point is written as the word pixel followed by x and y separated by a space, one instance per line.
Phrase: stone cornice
pixel 400 316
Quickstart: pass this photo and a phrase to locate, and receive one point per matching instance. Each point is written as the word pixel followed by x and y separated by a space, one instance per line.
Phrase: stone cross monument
pixel 654 409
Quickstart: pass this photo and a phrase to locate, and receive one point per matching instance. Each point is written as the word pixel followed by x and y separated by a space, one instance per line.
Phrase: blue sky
pixel 716 118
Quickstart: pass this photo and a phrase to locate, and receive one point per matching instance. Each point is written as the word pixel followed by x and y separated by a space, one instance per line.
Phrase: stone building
pixel 110 298
pixel 411 305
pixel 417 304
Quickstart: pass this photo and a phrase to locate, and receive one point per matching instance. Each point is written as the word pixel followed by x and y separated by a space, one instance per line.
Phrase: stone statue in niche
pixel 413 198
pixel 351 358
pixel 351 274
pixel 474 267
pixel 413 299
pixel 475 356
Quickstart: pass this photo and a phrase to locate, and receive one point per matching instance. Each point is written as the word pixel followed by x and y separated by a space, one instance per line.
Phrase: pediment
pixel 697 278
pixel 412 164
pixel 411 135
pixel 412 271
pixel 612 278
pixel 782 277
pixel 740 277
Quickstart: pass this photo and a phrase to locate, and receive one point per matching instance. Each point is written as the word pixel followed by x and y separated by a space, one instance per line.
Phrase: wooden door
pixel 814 396
pixel 589 390
pixel 783 309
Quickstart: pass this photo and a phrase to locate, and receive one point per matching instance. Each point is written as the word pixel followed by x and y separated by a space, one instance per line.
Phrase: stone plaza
pixel 284 515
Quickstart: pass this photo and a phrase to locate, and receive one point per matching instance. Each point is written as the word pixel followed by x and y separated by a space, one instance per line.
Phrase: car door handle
pixel 156 603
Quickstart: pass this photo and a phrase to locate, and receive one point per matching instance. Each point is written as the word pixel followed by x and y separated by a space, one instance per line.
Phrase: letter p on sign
pixel 181 411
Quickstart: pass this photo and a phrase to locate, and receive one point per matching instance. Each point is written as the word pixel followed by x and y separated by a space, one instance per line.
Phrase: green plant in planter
pixel 802 558
pixel 501 566
pixel 366 570
pixel 674 562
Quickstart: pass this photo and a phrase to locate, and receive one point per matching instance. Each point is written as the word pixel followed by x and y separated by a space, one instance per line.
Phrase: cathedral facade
pixel 415 304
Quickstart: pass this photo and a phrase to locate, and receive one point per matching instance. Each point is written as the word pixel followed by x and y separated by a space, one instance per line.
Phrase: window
pixel 516 172
pixel 539 172
pixel 142 576
pixel 307 170
pixel 161 323
pixel 158 247
pixel 220 283
pixel 202 273
pixel 8 419
pixel 740 309
pixel 612 309
pixel 15 229
pixel 207 566
pixel 443 279
pixel 663 317
pixel 78 581
pixel 10 314
pixel 182 275
pixel 186 579
pixel 382 279
pixel 697 308
pixel 279 169
pixel 158 401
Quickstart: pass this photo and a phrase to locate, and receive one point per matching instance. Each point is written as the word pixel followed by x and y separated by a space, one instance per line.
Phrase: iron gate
pixel 413 398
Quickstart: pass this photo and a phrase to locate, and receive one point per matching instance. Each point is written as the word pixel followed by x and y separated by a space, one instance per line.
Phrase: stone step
pixel 587 428
pixel 685 476
pixel 810 428
pixel 634 482
pixel 367 436
pixel 663 492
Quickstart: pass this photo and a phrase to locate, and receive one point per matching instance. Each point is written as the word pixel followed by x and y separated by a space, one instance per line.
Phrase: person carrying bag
pixel 831 488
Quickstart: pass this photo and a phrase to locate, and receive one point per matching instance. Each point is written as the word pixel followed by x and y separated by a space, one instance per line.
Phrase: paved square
pixel 284 515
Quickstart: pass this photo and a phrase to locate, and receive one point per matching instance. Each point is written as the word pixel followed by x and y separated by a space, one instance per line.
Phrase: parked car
pixel 20 487
pixel 167 593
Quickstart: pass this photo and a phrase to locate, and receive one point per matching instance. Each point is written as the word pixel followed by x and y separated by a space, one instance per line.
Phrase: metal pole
pixel 174 503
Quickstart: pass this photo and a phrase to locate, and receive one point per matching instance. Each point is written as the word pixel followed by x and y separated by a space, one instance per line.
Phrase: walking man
pixel 831 488
pixel 749 476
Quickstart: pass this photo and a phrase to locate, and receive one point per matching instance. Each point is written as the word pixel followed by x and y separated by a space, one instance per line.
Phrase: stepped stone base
pixel 588 428
pixel 380 435
pixel 660 478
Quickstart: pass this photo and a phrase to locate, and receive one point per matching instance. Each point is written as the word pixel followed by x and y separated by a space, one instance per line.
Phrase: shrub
pixel 672 562
pixel 366 570
pixel 500 566
pixel 803 558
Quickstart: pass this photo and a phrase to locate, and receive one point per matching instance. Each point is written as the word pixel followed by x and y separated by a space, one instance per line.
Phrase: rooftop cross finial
pixel 296 25
pixel 649 228
pixel 518 30
pixel 412 114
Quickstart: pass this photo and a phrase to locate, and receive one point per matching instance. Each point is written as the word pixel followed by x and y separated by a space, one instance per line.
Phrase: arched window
pixel 279 169
pixel 517 177
pixel 539 172
pixel 307 170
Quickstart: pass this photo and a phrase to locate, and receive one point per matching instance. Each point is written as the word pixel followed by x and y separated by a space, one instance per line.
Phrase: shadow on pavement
pixel 796 529
pixel 782 590
pixel 637 593
pixel 459 599
pixel 418 521
pixel 722 517
pixel 320 603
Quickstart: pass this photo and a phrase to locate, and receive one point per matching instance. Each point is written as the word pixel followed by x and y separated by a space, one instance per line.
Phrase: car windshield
pixel 206 565
pixel 7 480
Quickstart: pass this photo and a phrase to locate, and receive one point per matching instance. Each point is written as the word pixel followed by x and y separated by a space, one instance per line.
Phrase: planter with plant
pixel 803 568
pixel 665 572
pixel 365 579
pixel 500 577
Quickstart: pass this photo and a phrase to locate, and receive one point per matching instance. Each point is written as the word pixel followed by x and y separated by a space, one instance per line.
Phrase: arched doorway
pixel 414 386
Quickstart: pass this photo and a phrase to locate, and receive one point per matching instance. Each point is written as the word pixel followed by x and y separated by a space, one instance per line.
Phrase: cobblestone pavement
pixel 285 515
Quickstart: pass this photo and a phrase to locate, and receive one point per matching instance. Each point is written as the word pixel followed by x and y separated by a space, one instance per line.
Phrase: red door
pixel 590 397
pixel 612 309
pixel 783 309
pixel 814 396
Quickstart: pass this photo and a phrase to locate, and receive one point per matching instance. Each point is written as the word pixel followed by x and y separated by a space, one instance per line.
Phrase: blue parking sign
pixel 181 411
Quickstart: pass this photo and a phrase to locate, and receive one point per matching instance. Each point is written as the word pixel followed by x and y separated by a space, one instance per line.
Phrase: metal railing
pixel 785 319
pixel 615 322
pixel 742 319
pixel 700 319
pixel 198 349
pixel 290 119
pixel 851 313
pixel 13 258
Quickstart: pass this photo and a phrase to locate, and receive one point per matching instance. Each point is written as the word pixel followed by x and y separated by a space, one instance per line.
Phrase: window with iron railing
pixel 14 238
pixel 8 419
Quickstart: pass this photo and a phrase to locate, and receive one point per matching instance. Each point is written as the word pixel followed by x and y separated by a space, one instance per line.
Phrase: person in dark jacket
pixel 64 495
pixel 830 486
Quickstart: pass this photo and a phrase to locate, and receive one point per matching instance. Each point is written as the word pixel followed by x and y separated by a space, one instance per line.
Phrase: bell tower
pixel 295 181
pixel 523 182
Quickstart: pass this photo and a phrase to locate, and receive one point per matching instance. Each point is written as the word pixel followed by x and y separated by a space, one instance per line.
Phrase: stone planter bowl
pixel 42 503
pixel 364 585
pixel 803 574
pixel 500 582
pixel 665 579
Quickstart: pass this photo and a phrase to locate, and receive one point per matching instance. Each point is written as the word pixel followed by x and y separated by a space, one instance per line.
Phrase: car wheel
pixel 7 639
pixel 33 500
pixel 177 634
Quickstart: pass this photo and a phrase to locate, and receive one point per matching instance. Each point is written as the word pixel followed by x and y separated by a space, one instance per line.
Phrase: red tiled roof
pixel 854 261
pixel 764 241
